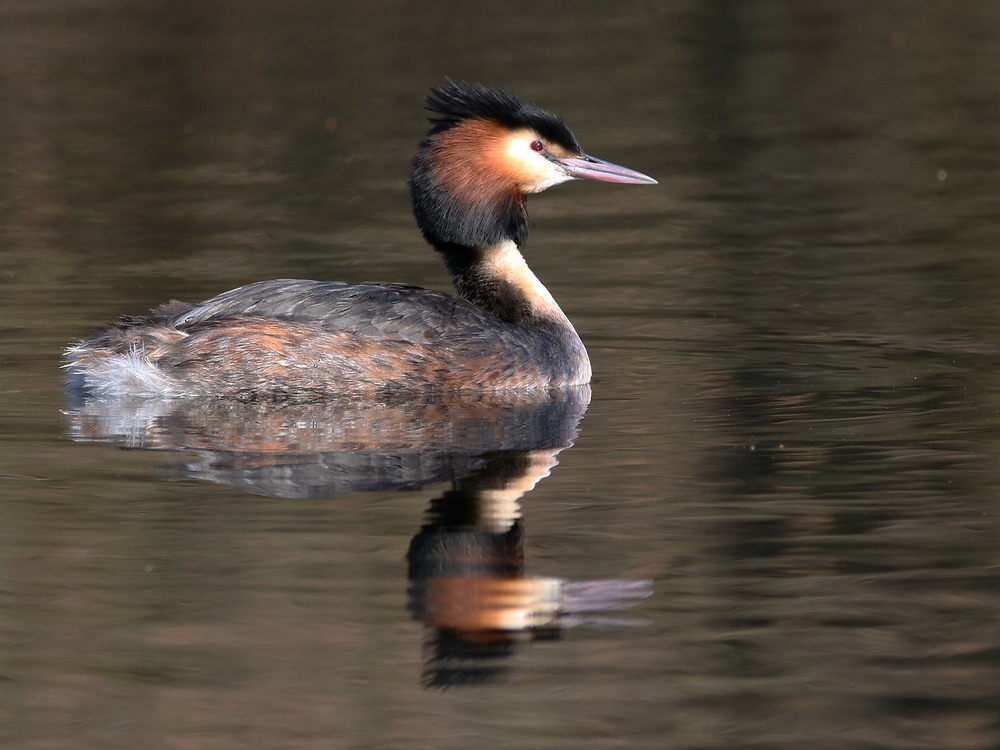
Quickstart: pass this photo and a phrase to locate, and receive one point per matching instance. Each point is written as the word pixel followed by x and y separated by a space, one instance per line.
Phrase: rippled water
pixel 772 521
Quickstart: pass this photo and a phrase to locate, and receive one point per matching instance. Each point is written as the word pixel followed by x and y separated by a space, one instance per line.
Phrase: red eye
pixel 537 146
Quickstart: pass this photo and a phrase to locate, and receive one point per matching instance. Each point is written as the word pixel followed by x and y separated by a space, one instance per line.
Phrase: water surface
pixel 790 447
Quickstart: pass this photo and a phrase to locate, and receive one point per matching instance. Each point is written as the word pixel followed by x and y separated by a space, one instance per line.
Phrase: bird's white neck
pixel 498 279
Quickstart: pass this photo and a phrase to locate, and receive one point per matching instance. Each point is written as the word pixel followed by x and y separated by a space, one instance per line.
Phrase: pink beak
pixel 589 168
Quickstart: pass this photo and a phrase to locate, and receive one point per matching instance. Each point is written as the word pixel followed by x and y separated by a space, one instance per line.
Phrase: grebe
pixel 486 151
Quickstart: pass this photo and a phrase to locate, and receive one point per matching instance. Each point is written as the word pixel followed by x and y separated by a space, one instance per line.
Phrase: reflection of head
pixel 468 582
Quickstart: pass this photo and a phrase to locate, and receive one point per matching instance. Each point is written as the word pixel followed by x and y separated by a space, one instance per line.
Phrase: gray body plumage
pixel 293 338
pixel 399 312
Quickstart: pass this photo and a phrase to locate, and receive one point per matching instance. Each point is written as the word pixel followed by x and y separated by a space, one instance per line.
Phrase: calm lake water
pixel 772 522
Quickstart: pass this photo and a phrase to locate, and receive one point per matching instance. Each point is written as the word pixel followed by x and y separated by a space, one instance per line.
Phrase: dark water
pixel 775 525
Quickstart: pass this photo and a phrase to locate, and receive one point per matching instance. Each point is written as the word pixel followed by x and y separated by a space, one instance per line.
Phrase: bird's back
pixel 292 338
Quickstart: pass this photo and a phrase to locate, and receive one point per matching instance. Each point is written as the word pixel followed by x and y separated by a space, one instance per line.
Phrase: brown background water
pixel 794 429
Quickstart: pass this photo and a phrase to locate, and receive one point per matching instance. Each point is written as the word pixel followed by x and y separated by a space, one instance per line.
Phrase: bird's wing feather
pixel 369 309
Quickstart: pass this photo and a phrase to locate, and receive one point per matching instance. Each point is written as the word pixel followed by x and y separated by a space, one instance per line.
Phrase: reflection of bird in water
pixel 335 446
pixel 485 153
pixel 468 582
pixel 466 564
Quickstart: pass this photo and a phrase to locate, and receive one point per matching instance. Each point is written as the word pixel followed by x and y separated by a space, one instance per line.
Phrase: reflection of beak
pixel 585 167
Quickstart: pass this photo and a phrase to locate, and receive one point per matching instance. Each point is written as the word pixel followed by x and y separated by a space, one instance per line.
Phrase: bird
pixel 292 339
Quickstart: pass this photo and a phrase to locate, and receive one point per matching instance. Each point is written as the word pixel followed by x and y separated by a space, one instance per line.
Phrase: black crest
pixel 454 101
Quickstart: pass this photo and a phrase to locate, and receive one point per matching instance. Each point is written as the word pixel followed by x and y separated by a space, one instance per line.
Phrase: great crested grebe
pixel 485 153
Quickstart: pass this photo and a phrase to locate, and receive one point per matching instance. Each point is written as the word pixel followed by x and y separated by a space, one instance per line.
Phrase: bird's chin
pixel 556 178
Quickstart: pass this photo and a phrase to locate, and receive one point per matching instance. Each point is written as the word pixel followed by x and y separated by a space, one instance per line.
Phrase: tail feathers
pixel 120 360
